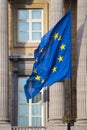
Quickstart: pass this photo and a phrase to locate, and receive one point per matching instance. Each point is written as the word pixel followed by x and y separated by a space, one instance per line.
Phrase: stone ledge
pixel 16 57
pixel 5 127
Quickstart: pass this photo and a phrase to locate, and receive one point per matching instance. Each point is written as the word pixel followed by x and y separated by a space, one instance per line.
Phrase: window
pixel 29 114
pixel 30 25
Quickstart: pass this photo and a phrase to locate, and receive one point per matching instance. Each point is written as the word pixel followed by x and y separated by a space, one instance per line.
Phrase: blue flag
pixel 52 58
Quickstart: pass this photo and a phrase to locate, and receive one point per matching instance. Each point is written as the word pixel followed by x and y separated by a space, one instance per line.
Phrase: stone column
pixel 81 123
pixel 4 119
pixel 56 91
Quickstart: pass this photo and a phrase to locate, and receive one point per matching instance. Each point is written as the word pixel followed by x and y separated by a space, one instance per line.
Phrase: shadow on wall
pixel 79 38
pixel 21 1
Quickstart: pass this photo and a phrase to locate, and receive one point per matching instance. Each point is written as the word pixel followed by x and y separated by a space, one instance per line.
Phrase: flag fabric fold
pixel 52 58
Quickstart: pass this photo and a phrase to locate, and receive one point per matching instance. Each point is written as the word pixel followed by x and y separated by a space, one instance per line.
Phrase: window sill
pixel 17 57
pixel 26 45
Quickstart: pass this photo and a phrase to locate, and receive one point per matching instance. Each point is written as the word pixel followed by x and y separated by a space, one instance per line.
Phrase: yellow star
pixel 62 47
pixel 59 38
pixel 36 60
pixel 42 81
pixel 60 58
pixel 54 69
pixel 35 71
pixel 37 77
pixel 55 36
pixel 41 50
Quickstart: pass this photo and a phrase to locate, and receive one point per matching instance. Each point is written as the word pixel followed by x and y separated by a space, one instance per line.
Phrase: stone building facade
pixel 64 101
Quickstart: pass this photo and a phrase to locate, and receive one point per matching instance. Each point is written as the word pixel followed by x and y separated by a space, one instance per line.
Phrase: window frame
pixel 22 68
pixel 45 25
pixel 42 109
pixel 30 116
pixel 30 21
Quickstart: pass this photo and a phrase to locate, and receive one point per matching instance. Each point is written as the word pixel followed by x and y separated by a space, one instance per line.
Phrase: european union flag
pixel 52 58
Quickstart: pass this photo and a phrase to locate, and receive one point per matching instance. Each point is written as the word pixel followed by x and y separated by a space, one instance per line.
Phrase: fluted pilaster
pixel 56 11
pixel 56 92
pixel 3 65
pixel 82 65
pixel 56 110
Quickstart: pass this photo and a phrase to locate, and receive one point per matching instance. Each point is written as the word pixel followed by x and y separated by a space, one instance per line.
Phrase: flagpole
pixel 70 120
pixel 68 126
pixel 70 90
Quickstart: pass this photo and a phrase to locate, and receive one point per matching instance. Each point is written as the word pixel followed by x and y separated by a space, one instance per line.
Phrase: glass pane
pixel 36 35
pixel 36 121
pixel 23 36
pixel 23 110
pixel 23 121
pixel 36 26
pixel 36 14
pixel 23 26
pixel 21 82
pixel 21 98
pixel 36 109
pixel 37 98
pixel 23 14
